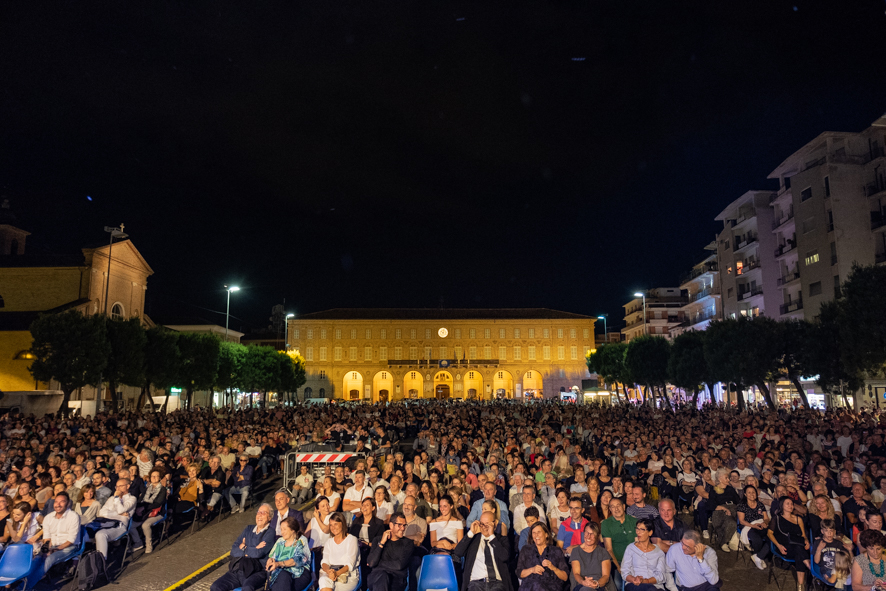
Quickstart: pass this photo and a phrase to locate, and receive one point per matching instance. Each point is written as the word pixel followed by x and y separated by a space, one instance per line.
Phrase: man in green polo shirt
pixel 618 531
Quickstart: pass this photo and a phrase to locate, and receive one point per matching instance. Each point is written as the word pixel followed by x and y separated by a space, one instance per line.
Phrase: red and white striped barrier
pixel 309 458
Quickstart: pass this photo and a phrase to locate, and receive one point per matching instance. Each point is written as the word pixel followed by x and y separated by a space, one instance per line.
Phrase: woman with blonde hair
pixel 820 509
pixel 493 508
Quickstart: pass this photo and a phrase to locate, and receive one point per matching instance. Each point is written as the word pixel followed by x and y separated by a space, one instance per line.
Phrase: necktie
pixel 491 568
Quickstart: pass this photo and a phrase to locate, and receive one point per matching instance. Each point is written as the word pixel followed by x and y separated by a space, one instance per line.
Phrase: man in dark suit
pixel 486 553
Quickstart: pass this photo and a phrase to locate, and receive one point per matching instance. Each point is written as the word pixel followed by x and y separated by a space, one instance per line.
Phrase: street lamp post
pixel 605 330
pixel 286 332
pixel 228 309
pixel 641 294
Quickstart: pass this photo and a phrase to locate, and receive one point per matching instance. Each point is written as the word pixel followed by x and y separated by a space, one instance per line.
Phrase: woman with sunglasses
pixel 643 566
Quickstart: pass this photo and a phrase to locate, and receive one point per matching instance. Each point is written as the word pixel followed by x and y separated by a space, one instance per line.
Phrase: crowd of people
pixel 568 496
pixel 544 495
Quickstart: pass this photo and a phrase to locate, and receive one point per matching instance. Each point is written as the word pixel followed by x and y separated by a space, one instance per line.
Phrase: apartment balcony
pixel 790 307
pixel 880 257
pixel 789 278
pixel 814 163
pixel 782 220
pixel 634 324
pixel 747 266
pixel 786 248
pixel 745 295
pixel 703 294
pixel 698 272
pixel 748 240
pixel 878 220
pixel 701 318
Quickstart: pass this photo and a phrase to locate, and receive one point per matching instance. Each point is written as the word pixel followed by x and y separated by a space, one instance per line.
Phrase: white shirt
pixel 354 495
pixel 280 518
pixel 59 530
pixel 519 519
pixel 318 538
pixel 479 570
pixel 345 554
pixel 304 480
pixel 116 506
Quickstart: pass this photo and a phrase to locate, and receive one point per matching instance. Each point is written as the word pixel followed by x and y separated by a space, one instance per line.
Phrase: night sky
pixel 415 154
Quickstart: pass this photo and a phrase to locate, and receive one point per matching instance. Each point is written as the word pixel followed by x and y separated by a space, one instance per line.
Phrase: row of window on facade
pixel 444 353
pixel 382 333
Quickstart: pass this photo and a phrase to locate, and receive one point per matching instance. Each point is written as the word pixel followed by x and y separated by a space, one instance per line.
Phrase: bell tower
pixel 12 238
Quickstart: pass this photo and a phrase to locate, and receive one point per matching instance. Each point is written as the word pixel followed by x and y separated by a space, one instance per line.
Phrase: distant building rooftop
pixel 442 314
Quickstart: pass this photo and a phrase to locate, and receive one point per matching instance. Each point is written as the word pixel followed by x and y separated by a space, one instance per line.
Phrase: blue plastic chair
pixel 774 550
pixel 437 572
pixel 17 564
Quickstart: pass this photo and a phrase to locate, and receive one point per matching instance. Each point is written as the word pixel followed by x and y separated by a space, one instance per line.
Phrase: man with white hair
pixel 515 493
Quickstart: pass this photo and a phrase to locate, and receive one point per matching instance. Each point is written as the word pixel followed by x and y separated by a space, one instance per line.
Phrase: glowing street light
pixel 605 331
pixel 228 309
pixel 640 294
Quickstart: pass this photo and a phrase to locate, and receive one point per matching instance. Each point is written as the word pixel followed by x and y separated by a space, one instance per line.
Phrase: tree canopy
pixel 70 348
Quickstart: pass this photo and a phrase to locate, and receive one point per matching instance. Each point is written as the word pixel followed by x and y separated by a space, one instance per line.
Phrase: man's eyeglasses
pixel 398 524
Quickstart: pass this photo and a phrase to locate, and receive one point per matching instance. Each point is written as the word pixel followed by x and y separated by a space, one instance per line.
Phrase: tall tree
pixel 70 348
pixel 292 372
pixel 862 320
pixel 259 369
pixel 608 363
pixel 687 367
pixel 162 363
pixel 646 360
pixel 794 338
pixel 230 367
pixel 199 362
pixel 743 352
pixel 127 358
pixel 825 348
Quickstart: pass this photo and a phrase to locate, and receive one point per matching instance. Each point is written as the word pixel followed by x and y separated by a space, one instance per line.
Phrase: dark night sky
pixel 364 153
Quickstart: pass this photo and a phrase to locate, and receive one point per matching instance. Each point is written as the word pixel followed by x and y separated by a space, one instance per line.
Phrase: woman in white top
pixel 318 528
pixel 383 506
pixel 22 527
pixel 328 491
pixel 448 529
pixel 338 571
pixel 559 512
pixel 644 564
pixel 654 465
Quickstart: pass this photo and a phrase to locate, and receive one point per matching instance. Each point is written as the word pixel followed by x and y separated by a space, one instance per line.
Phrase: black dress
pixel 790 535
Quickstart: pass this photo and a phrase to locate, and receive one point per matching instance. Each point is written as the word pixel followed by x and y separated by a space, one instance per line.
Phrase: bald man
pixel 486 553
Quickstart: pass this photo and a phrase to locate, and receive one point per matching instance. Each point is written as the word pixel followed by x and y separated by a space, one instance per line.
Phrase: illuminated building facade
pixel 395 354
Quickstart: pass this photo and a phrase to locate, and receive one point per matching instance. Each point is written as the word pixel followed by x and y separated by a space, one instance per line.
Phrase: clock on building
pixel 443 333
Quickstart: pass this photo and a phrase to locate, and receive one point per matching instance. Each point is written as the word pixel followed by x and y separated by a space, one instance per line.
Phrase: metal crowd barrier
pixel 316 461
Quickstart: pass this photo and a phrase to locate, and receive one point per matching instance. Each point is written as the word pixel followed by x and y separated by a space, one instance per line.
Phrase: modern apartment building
pixel 702 290
pixel 828 214
pixel 746 251
pixel 661 311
